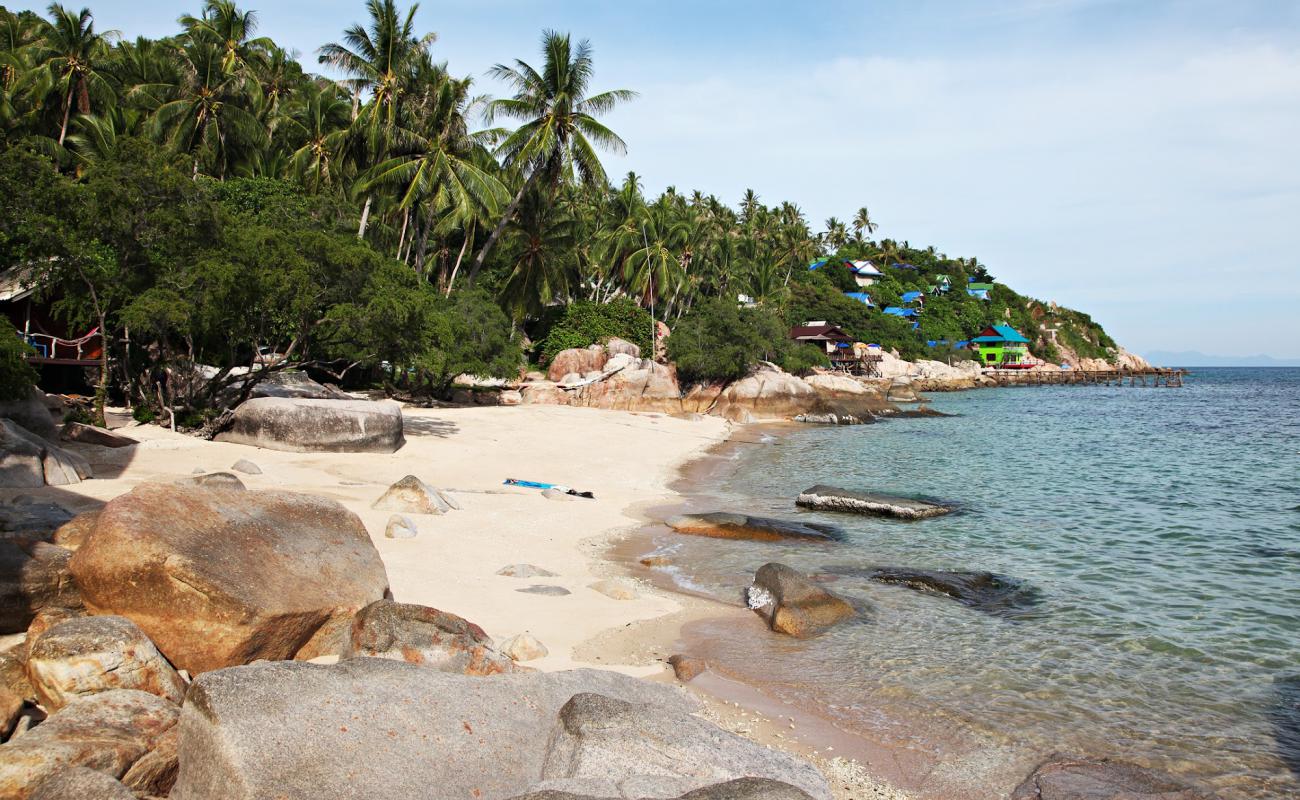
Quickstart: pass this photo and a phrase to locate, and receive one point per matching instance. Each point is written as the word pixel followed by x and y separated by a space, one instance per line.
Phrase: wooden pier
pixel 1171 378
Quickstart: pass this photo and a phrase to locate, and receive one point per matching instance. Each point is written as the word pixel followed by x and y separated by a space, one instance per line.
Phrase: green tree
pixel 71 51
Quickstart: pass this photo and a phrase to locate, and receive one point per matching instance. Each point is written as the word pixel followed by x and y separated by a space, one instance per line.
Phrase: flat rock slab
pixel 525 571
pixel 317 426
pixel 373 728
pixel 545 590
pixel 1063 777
pixel 831 498
pixel 91 434
pixel 370 728
pixel 725 525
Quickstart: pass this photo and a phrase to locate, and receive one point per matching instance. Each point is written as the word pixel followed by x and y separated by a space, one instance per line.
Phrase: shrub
pixel 585 322
pixel 720 342
pixel 16 376
pixel 143 414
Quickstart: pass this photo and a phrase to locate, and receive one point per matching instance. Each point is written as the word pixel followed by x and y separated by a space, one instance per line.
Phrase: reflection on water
pixel 1155 528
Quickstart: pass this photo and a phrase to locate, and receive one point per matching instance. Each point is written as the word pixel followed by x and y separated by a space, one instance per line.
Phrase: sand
pixel 628 460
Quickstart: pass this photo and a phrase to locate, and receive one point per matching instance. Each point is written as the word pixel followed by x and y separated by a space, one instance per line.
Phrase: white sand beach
pixel 626 460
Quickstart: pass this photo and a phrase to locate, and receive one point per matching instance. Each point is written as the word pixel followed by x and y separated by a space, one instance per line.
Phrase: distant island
pixel 1191 358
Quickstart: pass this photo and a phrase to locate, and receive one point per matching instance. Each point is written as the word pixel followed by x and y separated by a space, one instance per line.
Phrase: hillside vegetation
pixel 206 197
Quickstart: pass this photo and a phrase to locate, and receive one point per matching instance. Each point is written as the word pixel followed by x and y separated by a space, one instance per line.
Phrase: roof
pixel 1001 333
pixel 814 265
pixel 901 312
pixel 910 296
pixel 819 333
pixel 863 268
pixel 904 266
pixel 862 297
pixel 16 282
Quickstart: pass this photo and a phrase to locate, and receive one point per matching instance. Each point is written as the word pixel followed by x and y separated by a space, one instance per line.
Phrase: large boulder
pixel 725 525
pixel 423 635
pixel 218 577
pixel 831 498
pixel 373 728
pixel 88 655
pixel 792 604
pixel 613 748
pixel 33 576
pixel 28 461
pixel 617 346
pixel 635 386
pixel 1063 777
pixel 580 360
pixel 22 521
pixel 310 426
pixel 766 393
pixel 35 412
pixel 543 393
pixel 107 732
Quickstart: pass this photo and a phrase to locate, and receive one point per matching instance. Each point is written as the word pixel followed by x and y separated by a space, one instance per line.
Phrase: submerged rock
pixel 985 591
pixel 1064 777
pixel 724 525
pixel 1285 716
pixel 831 498
pixel 792 604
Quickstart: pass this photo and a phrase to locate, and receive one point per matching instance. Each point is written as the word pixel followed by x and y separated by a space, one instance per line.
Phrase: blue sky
pixel 1138 160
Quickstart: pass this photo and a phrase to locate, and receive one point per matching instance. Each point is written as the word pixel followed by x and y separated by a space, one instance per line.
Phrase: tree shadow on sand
pixel 428 426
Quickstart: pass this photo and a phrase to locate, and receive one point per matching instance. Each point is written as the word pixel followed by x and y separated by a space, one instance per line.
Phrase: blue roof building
pixel 912 297
pixel 861 297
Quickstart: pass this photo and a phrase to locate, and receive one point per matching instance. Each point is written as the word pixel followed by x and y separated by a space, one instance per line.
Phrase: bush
pixel 16 376
pixel 143 415
pixel 585 322
pixel 720 342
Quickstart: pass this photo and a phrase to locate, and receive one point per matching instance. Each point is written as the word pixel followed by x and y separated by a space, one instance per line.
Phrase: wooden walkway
pixel 1171 378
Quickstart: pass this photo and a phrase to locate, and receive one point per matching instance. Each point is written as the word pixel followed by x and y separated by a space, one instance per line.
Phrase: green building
pixel 1002 346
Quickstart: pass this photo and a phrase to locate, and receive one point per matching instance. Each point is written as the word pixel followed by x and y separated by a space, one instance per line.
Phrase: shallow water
pixel 1161 526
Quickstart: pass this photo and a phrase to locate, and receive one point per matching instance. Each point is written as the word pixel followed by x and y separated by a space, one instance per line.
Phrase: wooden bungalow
pixel 62 355
pixel 1003 347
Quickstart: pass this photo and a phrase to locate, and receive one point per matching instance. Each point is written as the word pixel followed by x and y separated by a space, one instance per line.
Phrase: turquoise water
pixel 1162 527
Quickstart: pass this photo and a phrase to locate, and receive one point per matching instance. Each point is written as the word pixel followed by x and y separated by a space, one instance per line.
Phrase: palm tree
pixel 70 52
pixel 541 270
pixel 862 222
pixel 836 235
pixel 379 59
pixel 230 29
pixel 205 115
pixel 559 135
pixel 321 125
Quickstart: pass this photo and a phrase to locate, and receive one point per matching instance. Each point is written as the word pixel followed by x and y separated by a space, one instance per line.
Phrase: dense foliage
pixel 205 199
pixel 719 341
pixel 16 375
pixel 584 322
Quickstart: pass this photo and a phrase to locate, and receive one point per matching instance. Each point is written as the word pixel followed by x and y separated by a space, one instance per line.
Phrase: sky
pixel 1135 159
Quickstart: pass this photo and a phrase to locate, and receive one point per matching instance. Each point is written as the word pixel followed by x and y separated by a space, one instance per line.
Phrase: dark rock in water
pixel 1064 777
pixel 1274 552
pixel 724 525
pixel 831 498
pixel 1285 716
pixel 985 591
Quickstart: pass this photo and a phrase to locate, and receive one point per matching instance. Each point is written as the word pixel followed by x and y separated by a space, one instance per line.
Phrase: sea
pixel 1156 531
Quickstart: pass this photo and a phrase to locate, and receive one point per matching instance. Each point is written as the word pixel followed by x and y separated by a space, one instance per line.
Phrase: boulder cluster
pixel 166 649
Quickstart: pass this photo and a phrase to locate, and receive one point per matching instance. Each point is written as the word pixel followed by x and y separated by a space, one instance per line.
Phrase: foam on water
pixel 1158 524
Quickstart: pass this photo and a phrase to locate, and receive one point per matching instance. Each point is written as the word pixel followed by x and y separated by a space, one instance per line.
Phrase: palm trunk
pixel 401 240
pixel 452 280
pixel 500 228
pixel 67 112
pixel 365 217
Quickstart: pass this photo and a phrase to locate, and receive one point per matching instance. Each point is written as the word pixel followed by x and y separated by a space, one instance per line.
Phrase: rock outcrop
pixel 792 604
pixel 725 525
pixel 35 412
pixel 88 655
pixel 296 731
pixel 311 426
pixel 577 360
pixel 831 498
pixel 423 635
pixel 217 578
pixel 297 385
pixel 107 732
pixel 766 393
pixel 29 461
pixel 984 591
pixel 81 783
pixel 1063 777
pixel 91 434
